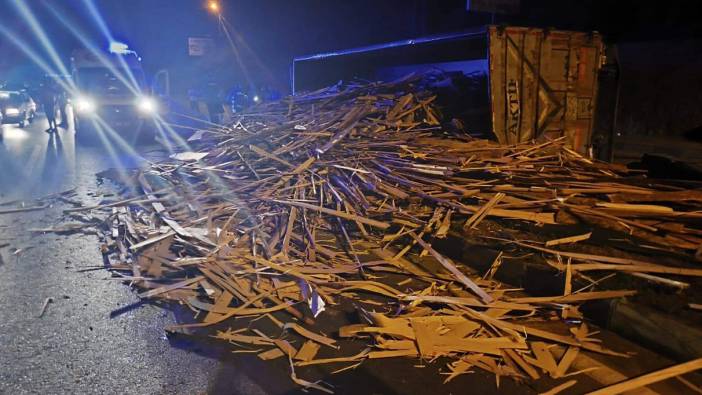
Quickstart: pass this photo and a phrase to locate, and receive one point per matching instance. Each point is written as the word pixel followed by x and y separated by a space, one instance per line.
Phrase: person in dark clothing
pixel 214 99
pixel 48 101
pixel 62 102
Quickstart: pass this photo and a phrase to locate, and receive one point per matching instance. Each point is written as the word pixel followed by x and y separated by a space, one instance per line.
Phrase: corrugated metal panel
pixel 543 84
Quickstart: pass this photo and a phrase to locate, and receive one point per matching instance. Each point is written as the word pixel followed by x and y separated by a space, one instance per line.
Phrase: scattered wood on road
pixel 336 197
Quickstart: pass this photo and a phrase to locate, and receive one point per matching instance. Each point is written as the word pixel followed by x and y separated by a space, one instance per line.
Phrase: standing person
pixel 62 101
pixel 214 98
pixel 194 97
pixel 48 101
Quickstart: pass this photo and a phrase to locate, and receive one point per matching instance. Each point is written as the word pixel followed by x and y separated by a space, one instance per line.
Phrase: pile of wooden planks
pixel 337 196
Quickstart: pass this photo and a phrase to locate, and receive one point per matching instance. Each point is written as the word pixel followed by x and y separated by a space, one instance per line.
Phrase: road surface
pixel 89 339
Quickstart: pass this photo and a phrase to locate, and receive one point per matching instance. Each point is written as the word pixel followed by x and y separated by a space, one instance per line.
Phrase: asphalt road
pixel 92 338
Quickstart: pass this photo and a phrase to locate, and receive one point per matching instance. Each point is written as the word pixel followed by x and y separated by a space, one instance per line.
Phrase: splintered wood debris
pixel 336 196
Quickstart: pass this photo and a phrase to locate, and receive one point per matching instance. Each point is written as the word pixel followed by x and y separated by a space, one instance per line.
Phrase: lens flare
pixel 85 105
pixel 147 105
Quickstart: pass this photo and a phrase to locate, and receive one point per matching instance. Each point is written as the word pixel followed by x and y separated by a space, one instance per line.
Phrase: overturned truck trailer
pixel 524 83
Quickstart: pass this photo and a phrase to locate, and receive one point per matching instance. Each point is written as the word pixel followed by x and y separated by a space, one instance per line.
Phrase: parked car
pixel 17 107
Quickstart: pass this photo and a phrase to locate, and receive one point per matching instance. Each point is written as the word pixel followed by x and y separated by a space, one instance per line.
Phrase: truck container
pixel 526 83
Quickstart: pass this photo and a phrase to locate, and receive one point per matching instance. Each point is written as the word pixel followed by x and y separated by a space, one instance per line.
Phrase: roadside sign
pixel 200 46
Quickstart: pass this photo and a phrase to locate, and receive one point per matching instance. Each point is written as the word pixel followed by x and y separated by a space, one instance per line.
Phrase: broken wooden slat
pixel 568 240
pixel 638 382
pixel 452 268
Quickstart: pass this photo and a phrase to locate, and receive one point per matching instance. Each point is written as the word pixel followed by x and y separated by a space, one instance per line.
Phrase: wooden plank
pixel 498 85
pixel 308 351
pixel 544 358
pixel 514 42
pixel 166 288
pixel 568 240
pixel 336 213
pixel 530 83
pixel 23 209
pixel 650 378
pixel 452 268
pixel 475 219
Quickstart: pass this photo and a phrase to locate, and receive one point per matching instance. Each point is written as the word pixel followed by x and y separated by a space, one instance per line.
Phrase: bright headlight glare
pixel 85 105
pixel 12 111
pixel 147 105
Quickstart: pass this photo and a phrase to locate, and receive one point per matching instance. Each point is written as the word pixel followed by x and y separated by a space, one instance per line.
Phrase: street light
pixel 213 6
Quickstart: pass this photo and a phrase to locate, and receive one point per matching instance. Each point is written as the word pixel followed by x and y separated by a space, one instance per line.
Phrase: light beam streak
pixel 237 55
pixel 92 9
pixel 132 85
pixel 24 10
pixel 26 49
pixel 240 40
pixel 95 13
pixel 110 150
pixel 121 142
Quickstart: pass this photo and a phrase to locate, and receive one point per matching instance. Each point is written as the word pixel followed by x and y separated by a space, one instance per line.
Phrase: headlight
pixel 147 105
pixel 85 105
pixel 12 111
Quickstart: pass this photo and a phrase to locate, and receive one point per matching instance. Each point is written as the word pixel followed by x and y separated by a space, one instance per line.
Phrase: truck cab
pixel 111 91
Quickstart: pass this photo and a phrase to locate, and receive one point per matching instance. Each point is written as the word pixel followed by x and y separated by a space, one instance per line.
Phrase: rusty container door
pixel 543 84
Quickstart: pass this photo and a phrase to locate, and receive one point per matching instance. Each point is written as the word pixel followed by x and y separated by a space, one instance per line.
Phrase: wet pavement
pixel 93 337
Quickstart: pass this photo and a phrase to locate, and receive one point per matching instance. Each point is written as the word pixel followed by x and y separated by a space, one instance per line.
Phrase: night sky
pixel 271 32
pixel 267 34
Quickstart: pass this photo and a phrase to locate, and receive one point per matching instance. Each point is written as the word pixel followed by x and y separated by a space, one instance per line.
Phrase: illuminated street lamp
pixel 213 6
